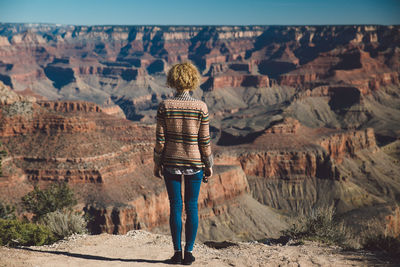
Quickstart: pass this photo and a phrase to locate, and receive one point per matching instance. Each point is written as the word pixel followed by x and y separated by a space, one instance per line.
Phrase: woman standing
pixel 183 150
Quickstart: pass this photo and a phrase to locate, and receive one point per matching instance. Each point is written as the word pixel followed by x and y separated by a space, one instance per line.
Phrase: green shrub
pixel 64 224
pixel 57 196
pixel 320 225
pixel 17 233
pixel 7 211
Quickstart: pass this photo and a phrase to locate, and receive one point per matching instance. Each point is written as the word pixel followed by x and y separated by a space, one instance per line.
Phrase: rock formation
pixel 298 116
pixel 108 162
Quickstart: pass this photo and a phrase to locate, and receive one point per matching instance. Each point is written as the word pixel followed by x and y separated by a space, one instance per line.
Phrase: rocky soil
pixel 141 248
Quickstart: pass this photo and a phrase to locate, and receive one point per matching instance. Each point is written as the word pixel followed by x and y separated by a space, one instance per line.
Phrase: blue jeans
pixel 192 190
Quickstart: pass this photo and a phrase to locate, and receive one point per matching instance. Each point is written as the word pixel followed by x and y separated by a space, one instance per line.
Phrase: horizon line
pixel 200 25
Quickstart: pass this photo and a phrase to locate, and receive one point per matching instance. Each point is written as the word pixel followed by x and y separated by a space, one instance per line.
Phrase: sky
pixel 201 12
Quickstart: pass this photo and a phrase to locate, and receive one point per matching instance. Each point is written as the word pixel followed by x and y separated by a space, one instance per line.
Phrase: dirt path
pixel 140 248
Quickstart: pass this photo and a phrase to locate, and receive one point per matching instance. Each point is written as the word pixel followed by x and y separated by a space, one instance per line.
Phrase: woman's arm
pixel 205 140
pixel 160 140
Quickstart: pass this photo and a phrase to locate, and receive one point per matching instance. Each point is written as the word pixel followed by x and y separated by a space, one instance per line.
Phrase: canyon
pixel 300 117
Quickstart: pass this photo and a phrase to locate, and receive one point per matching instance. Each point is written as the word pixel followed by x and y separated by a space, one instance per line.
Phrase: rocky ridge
pixel 109 165
pixel 298 116
pixel 123 68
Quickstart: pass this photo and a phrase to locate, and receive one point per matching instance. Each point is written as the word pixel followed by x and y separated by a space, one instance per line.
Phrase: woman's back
pixel 183 131
pixel 183 148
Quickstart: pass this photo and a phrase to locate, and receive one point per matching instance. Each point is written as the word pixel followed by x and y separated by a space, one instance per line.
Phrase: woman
pixel 182 150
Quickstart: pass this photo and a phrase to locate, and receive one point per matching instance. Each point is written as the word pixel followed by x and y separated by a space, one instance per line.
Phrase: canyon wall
pixel 109 166
pixel 297 118
pixel 122 69
pixel 229 56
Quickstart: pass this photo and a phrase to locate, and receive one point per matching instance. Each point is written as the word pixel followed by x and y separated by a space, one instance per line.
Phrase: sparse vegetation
pixel 320 225
pixel 7 212
pixel 53 217
pixel 52 207
pixel 64 224
pixel 18 233
pixel 378 237
pixel 57 196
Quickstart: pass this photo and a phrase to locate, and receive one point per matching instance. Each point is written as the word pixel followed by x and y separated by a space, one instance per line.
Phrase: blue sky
pixel 206 12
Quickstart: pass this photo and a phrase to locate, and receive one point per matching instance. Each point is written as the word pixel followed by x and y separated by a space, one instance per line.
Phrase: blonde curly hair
pixel 183 76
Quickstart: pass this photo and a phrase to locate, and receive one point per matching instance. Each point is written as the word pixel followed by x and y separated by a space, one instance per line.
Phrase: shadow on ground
pixel 91 257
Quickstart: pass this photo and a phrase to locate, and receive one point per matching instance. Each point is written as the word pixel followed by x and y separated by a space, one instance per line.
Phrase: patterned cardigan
pixel 183 133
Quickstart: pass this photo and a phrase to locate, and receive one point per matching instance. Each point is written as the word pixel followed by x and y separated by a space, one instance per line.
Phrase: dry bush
pixel 320 224
pixel 379 237
pixel 64 224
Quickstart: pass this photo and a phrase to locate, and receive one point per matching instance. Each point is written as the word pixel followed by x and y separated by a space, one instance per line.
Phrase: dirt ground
pixel 141 248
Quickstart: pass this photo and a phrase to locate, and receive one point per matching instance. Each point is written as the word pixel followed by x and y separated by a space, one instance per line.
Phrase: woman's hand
pixel 208 172
pixel 158 171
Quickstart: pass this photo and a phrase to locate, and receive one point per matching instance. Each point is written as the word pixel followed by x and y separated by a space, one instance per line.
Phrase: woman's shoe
pixel 188 259
pixel 176 259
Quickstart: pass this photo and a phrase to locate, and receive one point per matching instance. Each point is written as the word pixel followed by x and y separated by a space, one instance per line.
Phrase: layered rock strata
pixel 109 166
pixel 235 56
pixel 339 83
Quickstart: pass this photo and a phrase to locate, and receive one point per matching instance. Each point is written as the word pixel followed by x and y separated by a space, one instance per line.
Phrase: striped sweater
pixel 183 133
